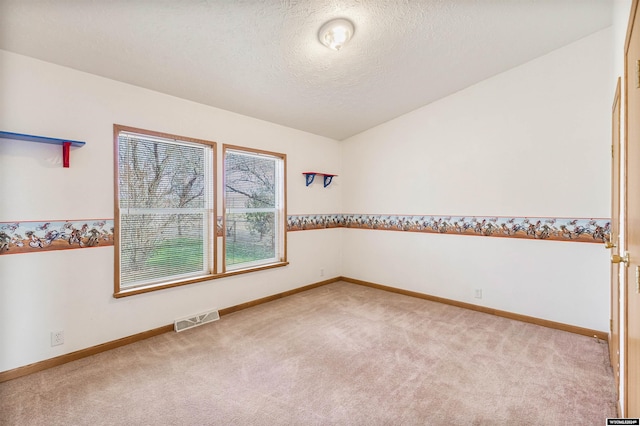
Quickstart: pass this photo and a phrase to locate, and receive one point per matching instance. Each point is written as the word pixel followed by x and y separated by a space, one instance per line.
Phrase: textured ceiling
pixel 262 58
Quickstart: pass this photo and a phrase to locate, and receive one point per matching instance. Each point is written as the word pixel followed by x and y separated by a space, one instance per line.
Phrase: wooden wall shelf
pixel 65 143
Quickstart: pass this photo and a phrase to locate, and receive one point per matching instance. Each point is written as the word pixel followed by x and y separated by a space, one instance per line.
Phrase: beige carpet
pixel 340 354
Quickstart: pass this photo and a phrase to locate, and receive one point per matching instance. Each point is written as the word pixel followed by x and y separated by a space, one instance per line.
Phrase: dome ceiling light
pixel 336 33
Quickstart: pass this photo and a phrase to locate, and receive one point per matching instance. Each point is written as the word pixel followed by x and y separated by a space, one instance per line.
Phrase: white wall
pixel 532 141
pixel 621 10
pixel 72 290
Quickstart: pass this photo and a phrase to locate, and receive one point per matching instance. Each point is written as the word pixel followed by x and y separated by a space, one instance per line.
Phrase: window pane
pixel 165 203
pixel 155 246
pixel 157 174
pixel 249 181
pixel 250 237
pixel 253 208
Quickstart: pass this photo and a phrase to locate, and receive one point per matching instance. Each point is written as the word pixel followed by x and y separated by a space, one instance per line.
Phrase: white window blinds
pixel 165 191
pixel 254 213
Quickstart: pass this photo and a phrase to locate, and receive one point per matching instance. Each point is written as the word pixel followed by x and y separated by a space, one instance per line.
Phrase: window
pixel 167 231
pixel 254 216
pixel 164 209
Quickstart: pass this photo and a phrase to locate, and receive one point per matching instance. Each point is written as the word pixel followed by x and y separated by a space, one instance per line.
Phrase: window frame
pixel 119 291
pixel 281 235
pixel 218 254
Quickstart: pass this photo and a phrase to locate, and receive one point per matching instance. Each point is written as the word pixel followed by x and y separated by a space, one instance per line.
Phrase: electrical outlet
pixel 478 293
pixel 57 338
pixel 322 272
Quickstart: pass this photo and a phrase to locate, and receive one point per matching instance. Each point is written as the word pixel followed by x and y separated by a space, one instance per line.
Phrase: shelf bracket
pixel 65 154
pixel 309 177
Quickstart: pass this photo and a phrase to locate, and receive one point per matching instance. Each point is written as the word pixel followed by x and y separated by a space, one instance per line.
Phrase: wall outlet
pixel 57 338
pixel 322 272
pixel 478 293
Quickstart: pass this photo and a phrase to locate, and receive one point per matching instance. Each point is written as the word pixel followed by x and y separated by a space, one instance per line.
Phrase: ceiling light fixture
pixel 336 33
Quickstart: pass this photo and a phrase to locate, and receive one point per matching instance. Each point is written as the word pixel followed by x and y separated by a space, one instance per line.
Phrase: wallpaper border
pixel 50 235
pixel 38 236
pixel 587 230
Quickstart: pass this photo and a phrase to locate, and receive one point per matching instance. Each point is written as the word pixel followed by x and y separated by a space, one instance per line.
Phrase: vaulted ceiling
pixel 262 58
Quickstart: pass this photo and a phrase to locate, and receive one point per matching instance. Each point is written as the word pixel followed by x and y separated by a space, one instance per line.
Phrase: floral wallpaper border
pixel 36 236
pixel 594 230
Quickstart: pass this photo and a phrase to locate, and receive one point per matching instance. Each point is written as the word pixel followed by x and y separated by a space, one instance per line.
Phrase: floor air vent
pixel 196 320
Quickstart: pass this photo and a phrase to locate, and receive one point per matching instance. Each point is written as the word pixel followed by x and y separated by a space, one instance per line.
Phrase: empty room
pixel 319 212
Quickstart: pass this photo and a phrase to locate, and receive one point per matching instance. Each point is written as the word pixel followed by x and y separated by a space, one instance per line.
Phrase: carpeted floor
pixel 339 354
